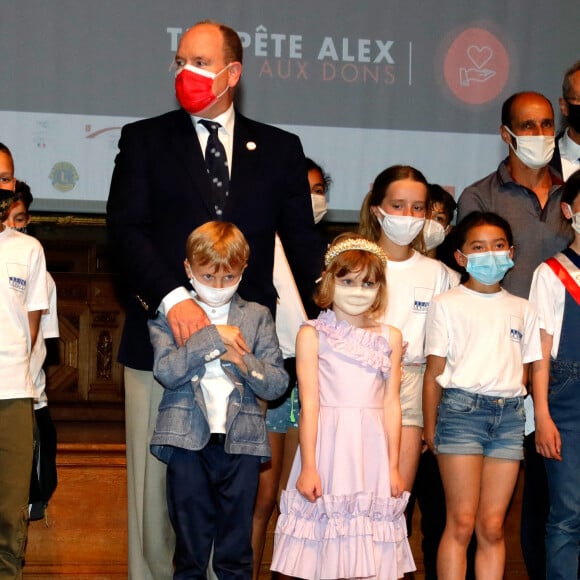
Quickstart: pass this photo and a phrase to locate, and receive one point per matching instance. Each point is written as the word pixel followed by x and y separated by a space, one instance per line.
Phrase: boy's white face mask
pixel 433 234
pixel 214 297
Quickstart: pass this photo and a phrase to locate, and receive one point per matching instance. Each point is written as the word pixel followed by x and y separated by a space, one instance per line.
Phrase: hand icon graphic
pixel 474 75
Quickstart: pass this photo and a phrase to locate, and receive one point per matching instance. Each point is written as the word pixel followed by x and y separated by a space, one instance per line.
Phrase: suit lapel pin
pixel 251 146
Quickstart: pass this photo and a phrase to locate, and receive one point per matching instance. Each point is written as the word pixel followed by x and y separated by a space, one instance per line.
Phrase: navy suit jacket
pixel 160 192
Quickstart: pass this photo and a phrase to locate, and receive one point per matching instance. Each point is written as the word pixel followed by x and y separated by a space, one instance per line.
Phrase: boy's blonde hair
pixel 349 261
pixel 219 243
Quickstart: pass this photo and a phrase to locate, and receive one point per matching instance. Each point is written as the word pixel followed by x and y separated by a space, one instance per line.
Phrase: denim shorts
pixel 283 413
pixel 473 424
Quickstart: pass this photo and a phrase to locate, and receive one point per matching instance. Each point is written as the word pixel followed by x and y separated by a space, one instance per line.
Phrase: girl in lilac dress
pixel 342 514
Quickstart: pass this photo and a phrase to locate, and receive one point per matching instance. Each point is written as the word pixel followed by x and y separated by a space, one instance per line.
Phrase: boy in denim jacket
pixel 210 428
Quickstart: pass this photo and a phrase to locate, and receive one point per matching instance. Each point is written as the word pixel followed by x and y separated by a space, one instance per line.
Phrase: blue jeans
pixel 563 527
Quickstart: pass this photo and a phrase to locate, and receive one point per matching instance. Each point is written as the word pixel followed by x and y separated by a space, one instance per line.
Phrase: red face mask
pixel 193 88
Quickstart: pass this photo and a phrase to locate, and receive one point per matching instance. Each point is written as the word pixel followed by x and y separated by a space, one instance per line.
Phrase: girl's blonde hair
pixel 219 243
pixel 348 261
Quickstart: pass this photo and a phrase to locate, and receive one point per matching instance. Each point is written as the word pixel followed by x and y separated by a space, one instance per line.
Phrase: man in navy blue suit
pixel 161 190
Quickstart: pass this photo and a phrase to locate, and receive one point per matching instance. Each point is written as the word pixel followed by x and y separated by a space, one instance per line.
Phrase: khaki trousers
pixel 16 450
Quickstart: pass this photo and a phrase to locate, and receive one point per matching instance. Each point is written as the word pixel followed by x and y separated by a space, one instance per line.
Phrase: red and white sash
pixel 568 273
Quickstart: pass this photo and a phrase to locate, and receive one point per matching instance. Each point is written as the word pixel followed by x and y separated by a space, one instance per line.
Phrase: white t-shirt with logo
pixel 23 289
pixel 486 339
pixel 411 285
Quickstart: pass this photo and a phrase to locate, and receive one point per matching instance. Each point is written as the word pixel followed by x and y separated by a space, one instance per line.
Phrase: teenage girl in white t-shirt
pixel 392 215
pixel 479 342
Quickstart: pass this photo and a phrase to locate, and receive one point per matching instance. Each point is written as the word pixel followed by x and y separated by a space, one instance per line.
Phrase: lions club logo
pixel 64 176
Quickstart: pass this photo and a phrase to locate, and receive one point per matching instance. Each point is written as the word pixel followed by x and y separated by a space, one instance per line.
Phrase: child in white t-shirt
pixel 23 297
pixel 44 478
pixel 393 215
pixel 480 340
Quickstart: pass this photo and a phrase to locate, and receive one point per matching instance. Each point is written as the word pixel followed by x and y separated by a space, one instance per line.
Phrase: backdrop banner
pixel 364 85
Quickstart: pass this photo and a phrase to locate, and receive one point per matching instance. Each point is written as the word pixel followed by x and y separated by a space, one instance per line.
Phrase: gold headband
pixel 354 244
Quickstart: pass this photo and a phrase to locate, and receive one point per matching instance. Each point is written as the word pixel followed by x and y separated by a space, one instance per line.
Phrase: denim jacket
pixel 182 417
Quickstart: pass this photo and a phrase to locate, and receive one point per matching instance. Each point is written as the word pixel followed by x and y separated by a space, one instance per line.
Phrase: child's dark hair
pixel 571 188
pixel 481 218
pixel 439 195
pixel 22 193
pixel 4 149
pixel 475 219
pixel 310 165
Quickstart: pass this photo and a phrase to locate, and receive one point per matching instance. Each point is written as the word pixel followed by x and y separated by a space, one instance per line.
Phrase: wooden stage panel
pixel 86 535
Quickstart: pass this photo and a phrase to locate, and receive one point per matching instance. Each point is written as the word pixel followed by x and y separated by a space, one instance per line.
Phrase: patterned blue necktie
pixel 217 166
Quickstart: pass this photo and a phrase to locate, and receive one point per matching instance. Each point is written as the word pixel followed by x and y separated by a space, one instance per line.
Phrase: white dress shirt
pixel 569 155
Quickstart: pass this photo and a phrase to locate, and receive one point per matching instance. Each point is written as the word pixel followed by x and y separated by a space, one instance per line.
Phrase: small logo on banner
pixel 63 176
pixel 476 66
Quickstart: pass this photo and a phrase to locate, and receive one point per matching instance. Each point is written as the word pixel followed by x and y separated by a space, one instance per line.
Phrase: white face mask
pixel 401 229
pixel 433 234
pixel 534 151
pixel 354 300
pixel 319 206
pixel 214 297
pixel 575 219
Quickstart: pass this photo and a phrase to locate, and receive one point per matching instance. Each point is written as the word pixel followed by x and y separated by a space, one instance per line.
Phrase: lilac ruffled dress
pixel 356 529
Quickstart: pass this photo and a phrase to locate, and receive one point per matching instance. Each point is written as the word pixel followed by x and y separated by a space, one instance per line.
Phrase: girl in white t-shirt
pixel 393 215
pixel 479 342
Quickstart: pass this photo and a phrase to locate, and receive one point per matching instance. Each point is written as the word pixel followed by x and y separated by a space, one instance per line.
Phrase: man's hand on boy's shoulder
pixel 186 318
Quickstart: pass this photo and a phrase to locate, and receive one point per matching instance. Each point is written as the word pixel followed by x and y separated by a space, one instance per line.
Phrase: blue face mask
pixel 488 267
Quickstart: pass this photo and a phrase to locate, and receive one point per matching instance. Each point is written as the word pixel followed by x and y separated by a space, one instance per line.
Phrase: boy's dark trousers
pixel 211 496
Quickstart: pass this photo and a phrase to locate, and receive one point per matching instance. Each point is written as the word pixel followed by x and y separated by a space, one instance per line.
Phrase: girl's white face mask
pixel 401 229
pixel 354 300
